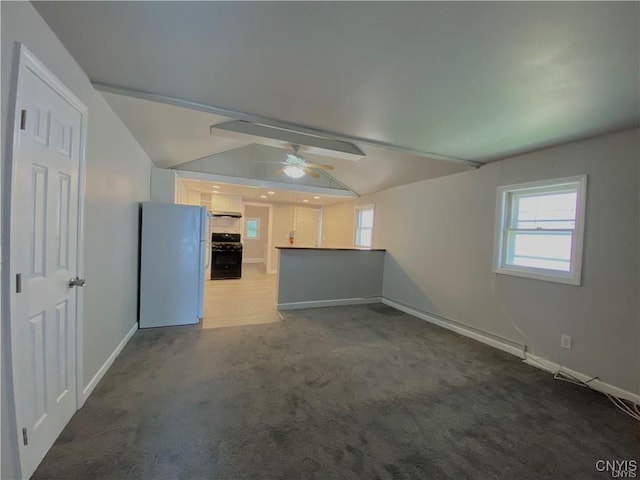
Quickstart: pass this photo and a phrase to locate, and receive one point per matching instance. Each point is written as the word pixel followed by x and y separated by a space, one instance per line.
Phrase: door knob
pixel 76 282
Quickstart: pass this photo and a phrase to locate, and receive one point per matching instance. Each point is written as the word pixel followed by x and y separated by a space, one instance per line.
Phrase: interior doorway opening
pixel 257 236
pixel 250 300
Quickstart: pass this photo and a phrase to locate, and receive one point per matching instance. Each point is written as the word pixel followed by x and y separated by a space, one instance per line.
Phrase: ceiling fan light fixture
pixel 294 171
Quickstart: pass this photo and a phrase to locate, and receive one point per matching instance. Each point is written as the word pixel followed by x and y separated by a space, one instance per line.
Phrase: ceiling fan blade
pixel 310 172
pixel 319 165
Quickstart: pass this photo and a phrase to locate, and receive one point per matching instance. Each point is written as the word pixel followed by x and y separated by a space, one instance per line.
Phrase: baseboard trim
pixel 517 350
pixel 105 366
pixel 338 302
pixel 253 260
pixel 599 385
pixel 513 348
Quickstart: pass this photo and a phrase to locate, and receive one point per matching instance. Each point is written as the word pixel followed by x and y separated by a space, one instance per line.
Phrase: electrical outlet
pixel 565 342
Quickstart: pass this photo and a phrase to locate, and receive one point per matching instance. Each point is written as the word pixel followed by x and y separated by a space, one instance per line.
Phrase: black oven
pixel 226 256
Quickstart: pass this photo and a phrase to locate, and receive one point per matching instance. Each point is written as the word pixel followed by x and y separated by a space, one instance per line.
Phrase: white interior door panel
pixel 44 253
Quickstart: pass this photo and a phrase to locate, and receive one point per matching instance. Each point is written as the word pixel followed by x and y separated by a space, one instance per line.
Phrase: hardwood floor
pixel 250 300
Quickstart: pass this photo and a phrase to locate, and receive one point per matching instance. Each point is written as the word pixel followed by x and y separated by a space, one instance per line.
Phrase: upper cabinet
pixel 226 203
pixel 166 187
pixel 205 200
pixel 214 202
pixel 193 198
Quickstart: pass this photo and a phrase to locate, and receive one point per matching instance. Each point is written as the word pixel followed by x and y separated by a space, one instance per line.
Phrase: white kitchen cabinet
pixel 205 200
pixel 235 204
pixel 193 198
pixel 226 203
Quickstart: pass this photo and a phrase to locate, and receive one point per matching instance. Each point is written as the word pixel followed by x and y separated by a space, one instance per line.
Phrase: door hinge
pixel 23 119
pixel 25 437
pixel 18 283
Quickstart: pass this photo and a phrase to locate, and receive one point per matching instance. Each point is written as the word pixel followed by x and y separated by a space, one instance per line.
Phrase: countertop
pixel 288 247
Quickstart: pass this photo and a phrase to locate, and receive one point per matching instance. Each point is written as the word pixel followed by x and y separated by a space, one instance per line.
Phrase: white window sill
pixel 545 275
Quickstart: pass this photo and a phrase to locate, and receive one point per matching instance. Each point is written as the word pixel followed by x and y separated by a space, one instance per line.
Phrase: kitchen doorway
pixel 258 218
pixel 249 300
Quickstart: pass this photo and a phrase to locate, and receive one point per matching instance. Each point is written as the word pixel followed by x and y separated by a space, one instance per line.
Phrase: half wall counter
pixel 311 277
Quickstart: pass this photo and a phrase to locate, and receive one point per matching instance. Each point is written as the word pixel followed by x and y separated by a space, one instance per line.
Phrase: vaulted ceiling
pixel 413 84
pixel 175 137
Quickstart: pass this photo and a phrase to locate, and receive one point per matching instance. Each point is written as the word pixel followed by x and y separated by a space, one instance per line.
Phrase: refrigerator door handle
pixel 208 243
pixel 207 263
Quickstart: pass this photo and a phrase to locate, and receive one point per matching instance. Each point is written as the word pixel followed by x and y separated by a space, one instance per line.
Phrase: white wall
pixel 439 238
pixel 283 220
pixel 338 224
pixel 318 277
pixel 118 177
pixel 254 248
pixel 163 186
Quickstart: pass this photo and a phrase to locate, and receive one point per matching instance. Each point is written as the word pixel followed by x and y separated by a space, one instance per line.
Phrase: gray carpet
pixel 336 393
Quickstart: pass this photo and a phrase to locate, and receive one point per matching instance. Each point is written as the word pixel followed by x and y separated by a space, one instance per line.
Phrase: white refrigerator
pixel 174 256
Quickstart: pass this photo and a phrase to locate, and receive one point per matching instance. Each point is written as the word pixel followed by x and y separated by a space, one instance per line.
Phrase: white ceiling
pixel 170 135
pixel 174 135
pixel 469 80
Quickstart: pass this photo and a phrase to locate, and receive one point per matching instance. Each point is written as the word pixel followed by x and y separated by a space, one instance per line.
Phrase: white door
pixel 48 133
pixel 307 227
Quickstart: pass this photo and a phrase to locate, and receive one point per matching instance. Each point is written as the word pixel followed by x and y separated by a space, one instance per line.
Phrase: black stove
pixel 224 246
pixel 225 238
pixel 226 256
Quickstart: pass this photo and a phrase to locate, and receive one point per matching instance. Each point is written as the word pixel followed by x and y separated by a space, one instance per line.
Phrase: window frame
pixel 246 222
pixel 504 211
pixel 358 208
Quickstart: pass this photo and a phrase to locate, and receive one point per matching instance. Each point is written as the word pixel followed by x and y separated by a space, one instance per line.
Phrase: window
pixel 252 228
pixel 364 226
pixel 540 228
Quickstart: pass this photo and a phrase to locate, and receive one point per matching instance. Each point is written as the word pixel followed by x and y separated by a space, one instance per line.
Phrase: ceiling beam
pixel 225 112
pixel 241 129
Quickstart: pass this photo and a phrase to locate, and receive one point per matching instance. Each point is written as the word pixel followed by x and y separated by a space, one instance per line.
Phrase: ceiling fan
pixel 296 165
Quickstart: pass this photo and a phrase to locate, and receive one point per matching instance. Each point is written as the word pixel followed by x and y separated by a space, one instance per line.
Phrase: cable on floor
pixel 630 408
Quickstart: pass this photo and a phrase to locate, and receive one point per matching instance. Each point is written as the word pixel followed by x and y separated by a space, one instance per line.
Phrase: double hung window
pixel 364 226
pixel 540 227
